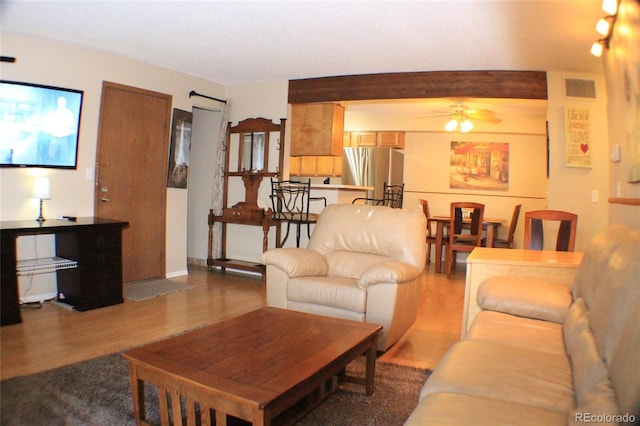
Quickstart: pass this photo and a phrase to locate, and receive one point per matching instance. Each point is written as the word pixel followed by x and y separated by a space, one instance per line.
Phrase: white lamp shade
pixel 41 188
pixel 610 6
pixel 596 49
pixel 451 125
pixel 603 26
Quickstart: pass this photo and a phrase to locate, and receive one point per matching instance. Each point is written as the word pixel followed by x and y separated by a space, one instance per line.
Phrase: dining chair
pixel 534 233
pixel 459 240
pixel 392 196
pixel 290 202
pixel 508 242
pixel 431 236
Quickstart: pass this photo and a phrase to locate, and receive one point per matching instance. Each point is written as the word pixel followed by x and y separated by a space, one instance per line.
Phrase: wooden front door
pixel 131 167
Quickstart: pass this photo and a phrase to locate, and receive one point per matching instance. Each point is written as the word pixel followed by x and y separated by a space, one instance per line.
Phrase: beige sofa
pixel 538 355
pixel 362 263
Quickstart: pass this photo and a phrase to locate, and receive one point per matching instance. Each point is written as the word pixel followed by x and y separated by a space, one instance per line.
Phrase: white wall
pixel 47 62
pixel 622 65
pixel 570 188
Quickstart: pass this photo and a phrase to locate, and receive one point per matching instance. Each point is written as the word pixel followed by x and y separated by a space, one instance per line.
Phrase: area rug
pixel 98 392
pixel 142 290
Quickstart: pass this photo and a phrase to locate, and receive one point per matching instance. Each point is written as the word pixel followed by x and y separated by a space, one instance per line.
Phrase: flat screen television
pixel 39 125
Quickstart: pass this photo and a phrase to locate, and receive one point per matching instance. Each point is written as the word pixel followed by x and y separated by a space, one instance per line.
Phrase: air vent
pixel 580 88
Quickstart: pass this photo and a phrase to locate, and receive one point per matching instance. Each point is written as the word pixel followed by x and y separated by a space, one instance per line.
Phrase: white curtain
pixel 218 181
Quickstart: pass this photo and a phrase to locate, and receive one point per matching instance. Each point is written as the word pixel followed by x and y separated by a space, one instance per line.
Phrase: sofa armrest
pixel 392 271
pixel 296 262
pixel 526 297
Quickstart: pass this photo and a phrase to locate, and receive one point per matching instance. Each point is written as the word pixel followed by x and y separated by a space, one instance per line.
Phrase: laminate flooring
pixel 52 336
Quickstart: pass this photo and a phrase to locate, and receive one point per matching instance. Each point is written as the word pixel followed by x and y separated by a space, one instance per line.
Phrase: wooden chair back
pixel 457 223
pixel 459 240
pixel 424 207
pixel 513 225
pixel 534 233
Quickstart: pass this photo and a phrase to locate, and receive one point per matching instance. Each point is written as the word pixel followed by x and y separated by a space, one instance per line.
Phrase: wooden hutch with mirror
pixel 251 141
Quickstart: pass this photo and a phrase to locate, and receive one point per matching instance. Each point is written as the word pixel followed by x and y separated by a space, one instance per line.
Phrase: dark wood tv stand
pixel 89 273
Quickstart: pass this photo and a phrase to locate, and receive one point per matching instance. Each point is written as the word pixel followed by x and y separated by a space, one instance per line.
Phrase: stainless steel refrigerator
pixel 372 166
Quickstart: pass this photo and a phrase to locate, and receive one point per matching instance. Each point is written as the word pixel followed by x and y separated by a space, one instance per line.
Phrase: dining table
pixel 489 224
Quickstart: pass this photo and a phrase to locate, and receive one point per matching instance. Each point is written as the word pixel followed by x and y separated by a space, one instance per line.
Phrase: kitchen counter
pixel 337 194
pixel 342 187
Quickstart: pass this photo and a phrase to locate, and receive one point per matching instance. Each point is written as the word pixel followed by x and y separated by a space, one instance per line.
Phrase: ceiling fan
pixel 461 117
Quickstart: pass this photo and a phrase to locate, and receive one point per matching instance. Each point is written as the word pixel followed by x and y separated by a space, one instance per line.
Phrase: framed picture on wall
pixel 179 150
pixel 577 125
pixel 479 165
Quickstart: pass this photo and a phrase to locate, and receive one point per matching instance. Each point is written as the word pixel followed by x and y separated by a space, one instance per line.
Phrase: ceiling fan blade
pixel 443 114
pixel 480 112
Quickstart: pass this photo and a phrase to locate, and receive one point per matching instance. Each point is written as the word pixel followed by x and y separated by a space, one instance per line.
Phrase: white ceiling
pixel 238 42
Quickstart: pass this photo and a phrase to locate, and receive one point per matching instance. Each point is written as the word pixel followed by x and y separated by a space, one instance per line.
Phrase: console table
pixel 88 262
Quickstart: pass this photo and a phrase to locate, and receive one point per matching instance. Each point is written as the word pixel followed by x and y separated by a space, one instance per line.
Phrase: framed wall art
pixel 479 165
pixel 179 150
pixel 577 137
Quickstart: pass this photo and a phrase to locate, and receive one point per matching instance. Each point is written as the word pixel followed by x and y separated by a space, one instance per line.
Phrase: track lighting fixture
pixel 604 27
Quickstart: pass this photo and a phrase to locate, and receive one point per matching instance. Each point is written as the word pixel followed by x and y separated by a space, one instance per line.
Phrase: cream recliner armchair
pixel 362 263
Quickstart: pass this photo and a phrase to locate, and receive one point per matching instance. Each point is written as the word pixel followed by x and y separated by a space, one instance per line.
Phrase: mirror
pixel 252 151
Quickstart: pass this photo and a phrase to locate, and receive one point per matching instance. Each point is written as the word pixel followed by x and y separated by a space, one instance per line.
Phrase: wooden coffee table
pixel 267 366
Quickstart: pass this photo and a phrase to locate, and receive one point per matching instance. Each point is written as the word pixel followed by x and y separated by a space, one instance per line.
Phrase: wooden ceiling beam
pixel 418 85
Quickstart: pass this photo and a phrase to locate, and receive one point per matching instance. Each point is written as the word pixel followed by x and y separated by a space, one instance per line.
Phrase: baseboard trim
pixel 176 274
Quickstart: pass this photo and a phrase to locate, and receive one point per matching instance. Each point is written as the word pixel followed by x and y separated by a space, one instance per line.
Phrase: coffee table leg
pixel 371 366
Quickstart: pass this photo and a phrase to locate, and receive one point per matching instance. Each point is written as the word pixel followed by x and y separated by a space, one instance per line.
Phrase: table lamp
pixel 41 190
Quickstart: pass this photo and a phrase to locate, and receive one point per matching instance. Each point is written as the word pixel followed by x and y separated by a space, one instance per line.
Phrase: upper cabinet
pixel 317 129
pixel 392 139
pixel 387 138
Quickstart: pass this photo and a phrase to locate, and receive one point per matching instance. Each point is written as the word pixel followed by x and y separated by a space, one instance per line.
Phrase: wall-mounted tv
pixel 39 125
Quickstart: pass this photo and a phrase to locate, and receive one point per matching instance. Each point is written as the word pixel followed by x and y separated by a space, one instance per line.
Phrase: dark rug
pixel 98 392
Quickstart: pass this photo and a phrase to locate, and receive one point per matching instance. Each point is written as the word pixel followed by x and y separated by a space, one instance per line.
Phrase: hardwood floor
pixel 53 336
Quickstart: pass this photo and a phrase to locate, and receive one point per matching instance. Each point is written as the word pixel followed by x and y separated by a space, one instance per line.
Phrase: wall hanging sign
pixel 179 149
pixel 479 165
pixel 577 137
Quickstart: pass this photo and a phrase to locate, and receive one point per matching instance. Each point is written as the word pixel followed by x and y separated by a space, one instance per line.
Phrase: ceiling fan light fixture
pixel 451 125
pixel 466 126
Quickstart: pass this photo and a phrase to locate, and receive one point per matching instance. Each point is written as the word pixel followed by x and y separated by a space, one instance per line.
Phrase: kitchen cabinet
pixel 316 129
pixel 391 139
pixel 312 165
pixel 364 139
pixel 308 165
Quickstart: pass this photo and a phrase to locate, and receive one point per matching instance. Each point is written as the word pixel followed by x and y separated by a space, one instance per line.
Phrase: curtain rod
pixel 194 93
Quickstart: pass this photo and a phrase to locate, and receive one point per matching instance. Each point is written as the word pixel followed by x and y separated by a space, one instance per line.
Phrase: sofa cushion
pixel 338 292
pixel 450 409
pixel 522 332
pixel 505 373
pixel 525 296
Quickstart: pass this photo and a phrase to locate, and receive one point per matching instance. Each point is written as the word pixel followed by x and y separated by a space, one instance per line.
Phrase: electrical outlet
pixel 594 195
